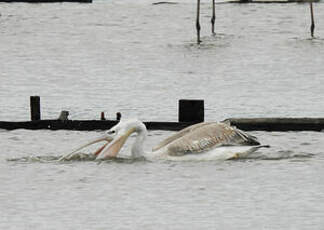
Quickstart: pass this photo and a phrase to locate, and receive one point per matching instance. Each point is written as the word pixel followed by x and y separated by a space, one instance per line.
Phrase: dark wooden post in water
pixel 118 116
pixel 102 116
pixel 197 22
pixel 35 111
pixel 312 18
pixel 191 111
pixel 213 18
pixel 64 115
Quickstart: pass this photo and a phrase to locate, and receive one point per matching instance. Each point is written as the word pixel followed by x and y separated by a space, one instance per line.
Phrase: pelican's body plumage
pixel 202 141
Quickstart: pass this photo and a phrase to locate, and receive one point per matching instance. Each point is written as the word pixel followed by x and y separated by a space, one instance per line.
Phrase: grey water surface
pixel 139 59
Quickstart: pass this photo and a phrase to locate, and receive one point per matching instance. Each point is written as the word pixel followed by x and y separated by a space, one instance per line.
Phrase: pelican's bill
pixel 114 147
pixel 68 156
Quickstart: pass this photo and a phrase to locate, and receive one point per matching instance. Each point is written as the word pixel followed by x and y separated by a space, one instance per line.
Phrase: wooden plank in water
pixel 267 1
pixel 86 125
pixel 278 124
pixel 46 1
pixel 247 124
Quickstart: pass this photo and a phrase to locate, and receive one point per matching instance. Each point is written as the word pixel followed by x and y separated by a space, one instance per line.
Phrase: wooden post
pixel 118 116
pixel 102 116
pixel 35 111
pixel 213 18
pixel 197 22
pixel 64 115
pixel 191 110
pixel 312 18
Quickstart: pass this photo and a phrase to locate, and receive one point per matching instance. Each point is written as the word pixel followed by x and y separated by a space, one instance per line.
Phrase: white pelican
pixel 202 141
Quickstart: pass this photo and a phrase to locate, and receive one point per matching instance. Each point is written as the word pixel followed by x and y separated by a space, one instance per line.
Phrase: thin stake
pixel 197 22
pixel 213 18
pixel 312 28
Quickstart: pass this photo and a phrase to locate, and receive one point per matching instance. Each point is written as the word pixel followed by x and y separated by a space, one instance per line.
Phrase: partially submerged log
pixel 190 112
pixel 46 1
pixel 267 1
pixel 86 125
pixel 278 124
pixel 247 124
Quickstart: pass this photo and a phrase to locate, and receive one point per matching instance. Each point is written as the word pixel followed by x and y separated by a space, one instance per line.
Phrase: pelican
pixel 202 141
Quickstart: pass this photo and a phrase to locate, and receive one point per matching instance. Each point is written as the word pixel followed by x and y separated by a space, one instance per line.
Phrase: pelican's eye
pixel 111 132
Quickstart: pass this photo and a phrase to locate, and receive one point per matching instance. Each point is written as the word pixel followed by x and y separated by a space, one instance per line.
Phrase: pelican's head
pixel 119 134
pixel 115 138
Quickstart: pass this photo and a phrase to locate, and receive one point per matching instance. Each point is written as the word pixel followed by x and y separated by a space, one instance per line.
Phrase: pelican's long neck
pixel 137 148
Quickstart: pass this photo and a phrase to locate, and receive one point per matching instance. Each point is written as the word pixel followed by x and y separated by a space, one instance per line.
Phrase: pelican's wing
pixel 179 135
pixel 204 136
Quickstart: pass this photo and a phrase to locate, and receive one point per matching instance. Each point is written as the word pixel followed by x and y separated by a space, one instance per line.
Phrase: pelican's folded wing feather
pixel 205 136
pixel 179 135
